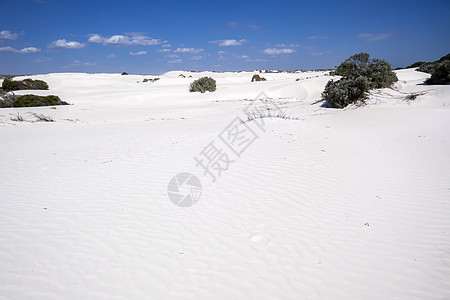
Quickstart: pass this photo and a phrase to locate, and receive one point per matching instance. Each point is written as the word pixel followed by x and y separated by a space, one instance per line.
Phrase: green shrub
pixel 9 85
pixel 438 69
pixel 343 92
pixel 430 67
pixel 415 65
pixel 441 74
pixel 124 73
pixel 202 85
pixel 34 100
pixel 380 75
pixel 360 74
pixel 6 99
pixel 26 84
pixel 354 66
pixel 41 84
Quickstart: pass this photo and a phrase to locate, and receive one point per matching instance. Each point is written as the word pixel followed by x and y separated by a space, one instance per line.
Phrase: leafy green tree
pixel 359 75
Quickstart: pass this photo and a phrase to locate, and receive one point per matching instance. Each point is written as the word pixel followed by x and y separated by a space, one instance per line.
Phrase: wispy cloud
pixel 42 60
pixel 318 37
pixel 287 45
pixel 227 43
pixel 320 53
pixel 133 39
pixel 8 35
pixel 197 57
pixel 77 63
pixel 138 53
pixel 63 44
pixel 254 27
pixel 111 56
pixel 171 56
pixel 24 50
pixel 188 50
pixel 255 60
pixel 165 50
pixel 374 36
pixel 275 51
pixel 175 61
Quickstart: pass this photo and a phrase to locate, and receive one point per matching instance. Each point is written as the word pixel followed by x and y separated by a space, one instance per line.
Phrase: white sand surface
pixel 329 204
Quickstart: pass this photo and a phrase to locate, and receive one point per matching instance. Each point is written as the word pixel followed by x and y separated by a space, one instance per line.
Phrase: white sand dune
pixel 331 204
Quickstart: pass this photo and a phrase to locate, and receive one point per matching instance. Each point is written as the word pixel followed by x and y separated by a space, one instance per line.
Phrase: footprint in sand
pixel 259 239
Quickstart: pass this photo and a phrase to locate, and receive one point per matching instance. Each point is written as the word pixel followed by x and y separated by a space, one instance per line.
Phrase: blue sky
pixel 151 37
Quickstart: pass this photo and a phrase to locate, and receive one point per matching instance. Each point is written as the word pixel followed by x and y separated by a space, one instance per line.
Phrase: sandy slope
pixel 339 204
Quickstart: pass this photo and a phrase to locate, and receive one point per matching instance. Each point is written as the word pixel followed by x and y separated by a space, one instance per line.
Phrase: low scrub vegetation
pixel 439 70
pixel 6 99
pixel 26 84
pixel 256 77
pixel 202 85
pixel 415 65
pixel 359 75
pixel 34 100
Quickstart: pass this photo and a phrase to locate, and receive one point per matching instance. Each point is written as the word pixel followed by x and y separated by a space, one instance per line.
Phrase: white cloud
pixel 165 50
pixel 133 39
pixel 138 53
pixel 111 56
pixel 256 60
pixel 227 43
pixel 24 50
pixel 374 36
pixel 171 56
pixel 77 63
pixel 274 51
pixel 254 27
pixel 188 50
pixel 166 45
pixel 29 50
pixel 287 45
pixel 42 60
pixel 63 44
pixel 175 61
pixel 95 38
pixel 221 52
pixel 197 57
pixel 8 35
pixel 318 37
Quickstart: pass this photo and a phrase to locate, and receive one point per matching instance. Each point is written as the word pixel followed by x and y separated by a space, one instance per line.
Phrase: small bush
pixel 42 84
pixel 7 99
pixel 430 67
pixel 9 85
pixel 415 65
pixel 360 74
pixel 124 73
pixel 202 85
pixel 256 77
pixel 441 74
pixel 26 84
pixel 34 100
pixel 343 92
